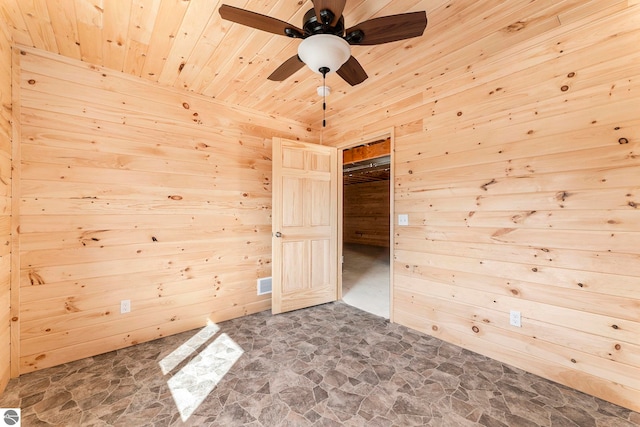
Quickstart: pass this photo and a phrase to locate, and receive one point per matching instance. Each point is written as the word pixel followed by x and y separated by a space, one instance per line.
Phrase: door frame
pixel 373 137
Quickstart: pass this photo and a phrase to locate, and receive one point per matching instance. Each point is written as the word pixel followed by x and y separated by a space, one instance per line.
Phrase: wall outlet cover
pixel 515 319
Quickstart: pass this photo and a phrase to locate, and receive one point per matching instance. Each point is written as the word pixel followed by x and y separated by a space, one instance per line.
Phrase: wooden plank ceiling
pixel 185 44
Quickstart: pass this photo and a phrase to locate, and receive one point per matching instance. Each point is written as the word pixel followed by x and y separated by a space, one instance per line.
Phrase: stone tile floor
pixel 330 365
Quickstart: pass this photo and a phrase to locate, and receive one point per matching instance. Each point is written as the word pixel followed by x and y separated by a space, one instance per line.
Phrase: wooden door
pixel 305 225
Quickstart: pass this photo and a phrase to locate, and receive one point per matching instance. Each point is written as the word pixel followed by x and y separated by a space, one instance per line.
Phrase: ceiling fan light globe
pixel 324 50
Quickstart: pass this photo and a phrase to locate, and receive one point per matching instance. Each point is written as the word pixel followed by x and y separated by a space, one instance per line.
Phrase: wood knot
pixel 485 185
pixel 35 278
pixel 564 88
pixel 561 196
pixel 31 82
pixel 516 27
pixel 434 328
pixel 501 232
pixel 40 357
pixel 515 292
pixel 459 113
pixel 185 105
pixel 175 197
pixel 14 319
pixel 623 141
pixel 581 285
pixel 410 172
pixel 475 329
pixel 615 326
pixel 574 361
pixel 618 347
pixel 70 307
pixel 571 74
pixel 534 269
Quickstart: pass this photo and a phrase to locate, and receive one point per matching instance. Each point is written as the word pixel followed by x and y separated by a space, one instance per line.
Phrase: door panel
pixel 292 189
pixel 321 212
pixel 293 272
pixel 320 263
pixel 305 215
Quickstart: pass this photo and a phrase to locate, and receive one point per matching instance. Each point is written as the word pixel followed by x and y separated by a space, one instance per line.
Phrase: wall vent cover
pixel 264 286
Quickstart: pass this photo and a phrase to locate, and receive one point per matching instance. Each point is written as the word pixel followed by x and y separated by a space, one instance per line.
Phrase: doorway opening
pixel 366 236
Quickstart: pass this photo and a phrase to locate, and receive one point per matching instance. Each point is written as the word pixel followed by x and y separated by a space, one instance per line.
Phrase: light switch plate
pixel 403 219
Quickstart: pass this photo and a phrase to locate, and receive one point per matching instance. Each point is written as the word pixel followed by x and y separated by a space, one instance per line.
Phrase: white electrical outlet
pixel 515 319
pixel 403 219
pixel 125 306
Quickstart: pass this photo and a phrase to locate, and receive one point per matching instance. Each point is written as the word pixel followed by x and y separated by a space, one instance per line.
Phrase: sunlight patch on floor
pixel 188 348
pixel 194 381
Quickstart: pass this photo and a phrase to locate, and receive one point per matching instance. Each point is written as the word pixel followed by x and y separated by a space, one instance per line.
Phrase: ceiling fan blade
pixel 335 6
pixel 389 28
pixel 287 69
pixel 352 72
pixel 259 21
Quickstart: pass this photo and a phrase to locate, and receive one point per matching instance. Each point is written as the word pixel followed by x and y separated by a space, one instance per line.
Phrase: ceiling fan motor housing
pixel 313 26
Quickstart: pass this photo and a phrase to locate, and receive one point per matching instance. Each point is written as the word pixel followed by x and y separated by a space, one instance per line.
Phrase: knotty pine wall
pixel 133 191
pixel 366 213
pixel 5 203
pixel 518 162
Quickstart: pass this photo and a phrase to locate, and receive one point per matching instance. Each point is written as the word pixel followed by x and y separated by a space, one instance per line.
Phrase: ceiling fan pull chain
pixel 324 107
pixel 324 71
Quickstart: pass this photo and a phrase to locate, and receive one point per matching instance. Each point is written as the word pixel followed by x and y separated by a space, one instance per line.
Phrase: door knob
pixel 278 234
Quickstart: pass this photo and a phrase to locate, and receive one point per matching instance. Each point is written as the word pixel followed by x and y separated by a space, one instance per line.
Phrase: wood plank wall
pixel 366 213
pixel 5 203
pixel 134 191
pixel 518 162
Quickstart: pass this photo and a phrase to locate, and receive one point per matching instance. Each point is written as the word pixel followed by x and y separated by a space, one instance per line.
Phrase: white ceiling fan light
pixel 324 51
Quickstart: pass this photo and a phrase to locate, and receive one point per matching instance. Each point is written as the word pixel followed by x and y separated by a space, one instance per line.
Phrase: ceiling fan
pixel 326 43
